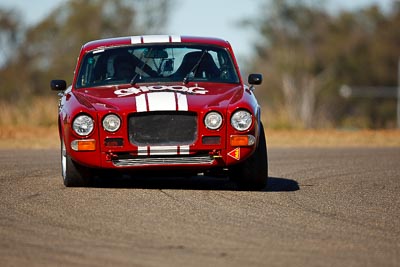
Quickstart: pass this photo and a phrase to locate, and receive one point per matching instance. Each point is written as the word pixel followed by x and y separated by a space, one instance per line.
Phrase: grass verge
pixel 333 138
pixel 19 137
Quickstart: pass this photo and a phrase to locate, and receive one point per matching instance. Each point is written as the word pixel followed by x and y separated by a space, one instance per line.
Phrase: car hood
pixel 155 97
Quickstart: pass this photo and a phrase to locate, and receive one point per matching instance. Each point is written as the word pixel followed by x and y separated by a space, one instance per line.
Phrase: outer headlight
pixel 241 120
pixel 213 120
pixel 111 123
pixel 83 125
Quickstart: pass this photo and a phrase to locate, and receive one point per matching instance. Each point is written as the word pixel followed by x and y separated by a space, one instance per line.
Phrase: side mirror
pixel 255 79
pixel 58 85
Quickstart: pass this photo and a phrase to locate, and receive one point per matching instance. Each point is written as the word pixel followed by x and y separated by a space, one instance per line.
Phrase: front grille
pixel 163 128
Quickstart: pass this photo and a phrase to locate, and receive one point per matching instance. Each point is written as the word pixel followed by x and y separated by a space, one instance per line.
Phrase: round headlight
pixel 213 120
pixel 111 123
pixel 241 120
pixel 83 125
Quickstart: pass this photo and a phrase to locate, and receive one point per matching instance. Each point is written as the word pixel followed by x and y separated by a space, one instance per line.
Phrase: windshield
pixel 156 63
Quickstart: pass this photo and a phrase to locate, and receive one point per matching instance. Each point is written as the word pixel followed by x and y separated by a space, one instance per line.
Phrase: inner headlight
pixel 111 123
pixel 213 120
pixel 241 120
pixel 83 125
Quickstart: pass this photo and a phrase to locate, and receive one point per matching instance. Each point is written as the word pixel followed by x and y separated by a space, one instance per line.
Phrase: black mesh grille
pixel 163 128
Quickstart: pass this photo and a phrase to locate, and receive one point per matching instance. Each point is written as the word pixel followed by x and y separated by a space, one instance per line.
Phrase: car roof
pixel 147 39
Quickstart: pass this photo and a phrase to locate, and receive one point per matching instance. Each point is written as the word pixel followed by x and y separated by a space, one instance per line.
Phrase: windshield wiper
pixel 192 72
pixel 133 81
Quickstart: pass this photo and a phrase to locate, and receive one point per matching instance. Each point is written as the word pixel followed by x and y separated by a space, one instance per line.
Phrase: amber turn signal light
pixel 84 145
pixel 242 140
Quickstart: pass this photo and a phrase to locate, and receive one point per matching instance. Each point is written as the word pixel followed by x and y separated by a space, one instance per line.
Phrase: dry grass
pixel 333 138
pixel 35 112
pixel 29 137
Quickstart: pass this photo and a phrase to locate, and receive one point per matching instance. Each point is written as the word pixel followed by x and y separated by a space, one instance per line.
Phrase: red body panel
pixel 125 100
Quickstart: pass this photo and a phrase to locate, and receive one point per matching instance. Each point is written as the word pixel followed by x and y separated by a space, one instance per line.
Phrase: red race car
pixel 160 103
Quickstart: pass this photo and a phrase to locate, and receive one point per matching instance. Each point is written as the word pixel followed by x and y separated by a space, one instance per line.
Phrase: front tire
pixel 252 174
pixel 73 174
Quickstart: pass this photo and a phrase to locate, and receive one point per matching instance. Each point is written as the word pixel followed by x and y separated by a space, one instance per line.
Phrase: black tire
pixel 73 174
pixel 252 174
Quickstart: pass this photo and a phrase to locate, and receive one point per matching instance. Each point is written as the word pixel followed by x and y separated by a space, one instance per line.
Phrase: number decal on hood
pixel 176 88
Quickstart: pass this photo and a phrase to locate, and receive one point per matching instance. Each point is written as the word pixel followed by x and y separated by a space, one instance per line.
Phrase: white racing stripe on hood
pixel 161 101
pixel 141 103
pixel 182 102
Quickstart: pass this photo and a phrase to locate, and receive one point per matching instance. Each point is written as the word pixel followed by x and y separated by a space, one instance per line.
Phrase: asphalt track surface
pixel 323 207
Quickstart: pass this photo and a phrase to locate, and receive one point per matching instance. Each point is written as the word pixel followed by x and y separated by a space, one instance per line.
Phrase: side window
pixel 86 75
pixel 228 72
pixel 214 56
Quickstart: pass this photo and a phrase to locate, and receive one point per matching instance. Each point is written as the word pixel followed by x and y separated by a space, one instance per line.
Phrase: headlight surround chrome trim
pixel 83 125
pixel 111 123
pixel 213 120
pixel 241 120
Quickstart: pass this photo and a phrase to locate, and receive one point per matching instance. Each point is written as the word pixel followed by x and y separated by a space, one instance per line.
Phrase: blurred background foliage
pixel 305 52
